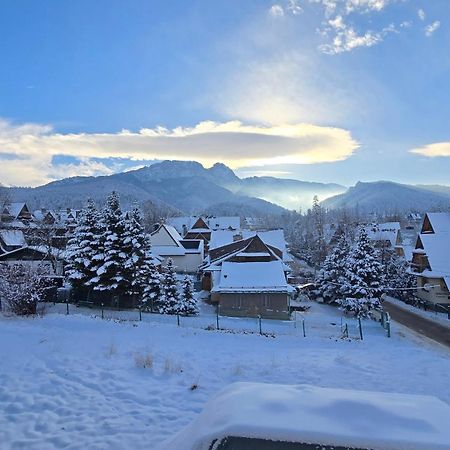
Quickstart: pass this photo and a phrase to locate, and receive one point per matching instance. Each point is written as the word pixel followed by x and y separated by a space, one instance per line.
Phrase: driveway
pixel 419 324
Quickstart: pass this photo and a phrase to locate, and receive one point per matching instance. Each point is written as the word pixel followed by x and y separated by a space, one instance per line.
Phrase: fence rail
pixel 302 325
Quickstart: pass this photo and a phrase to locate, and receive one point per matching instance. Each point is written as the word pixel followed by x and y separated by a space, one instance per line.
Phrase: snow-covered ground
pixel 81 382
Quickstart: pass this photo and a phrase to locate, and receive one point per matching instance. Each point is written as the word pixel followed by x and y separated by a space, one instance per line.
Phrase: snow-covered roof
pixel 14 208
pixel 384 232
pixel 437 249
pixel 275 238
pixel 13 238
pixel 252 277
pixel 389 226
pixel 173 232
pixel 440 221
pixel 183 224
pixel 40 214
pixel 323 416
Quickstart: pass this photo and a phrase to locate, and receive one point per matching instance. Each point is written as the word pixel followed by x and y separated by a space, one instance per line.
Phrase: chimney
pixel 237 237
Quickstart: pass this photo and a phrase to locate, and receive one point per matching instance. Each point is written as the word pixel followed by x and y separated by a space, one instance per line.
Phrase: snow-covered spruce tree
pixel 137 248
pixel 331 275
pixel 318 242
pixel 111 271
pixel 82 247
pixel 169 296
pixel 188 305
pixel 151 300
pixel 398 278
pixel 362 279
pixel 21 288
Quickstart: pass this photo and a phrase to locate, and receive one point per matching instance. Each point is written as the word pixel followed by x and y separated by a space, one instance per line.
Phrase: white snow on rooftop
pixel 215 223
pixel 13 238
pixel 252 276
pixel 440 222
pixel 437 249
pixel 327 416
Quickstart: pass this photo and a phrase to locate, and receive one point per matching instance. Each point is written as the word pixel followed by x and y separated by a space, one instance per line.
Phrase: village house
pixel 187 254
pixel 36 258
pixel 15 212
pixel 431 259
pixel 252 289
pixel 11 240
pixel 184 224
pixel 202 227
pixel 265 291
pixel 386 236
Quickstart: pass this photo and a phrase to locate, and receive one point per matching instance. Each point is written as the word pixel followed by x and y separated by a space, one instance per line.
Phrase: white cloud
pixel 433 150
pixel 276 11
pixel 294 7
pixel 339 27
pixel 421 14
pixel 430 29
pixel 346 38
pixel 231 142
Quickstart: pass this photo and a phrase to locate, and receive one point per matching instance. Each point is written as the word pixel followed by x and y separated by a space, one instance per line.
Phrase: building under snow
pixel 431 258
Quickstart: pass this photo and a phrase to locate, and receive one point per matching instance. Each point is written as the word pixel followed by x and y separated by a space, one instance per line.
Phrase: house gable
pixel 165 236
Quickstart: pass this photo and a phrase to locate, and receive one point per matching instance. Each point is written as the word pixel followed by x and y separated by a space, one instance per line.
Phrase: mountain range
pixel 188 187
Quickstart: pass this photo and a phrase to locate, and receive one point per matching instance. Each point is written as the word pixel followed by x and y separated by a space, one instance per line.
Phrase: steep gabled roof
pixel 436 222
pixel 200 223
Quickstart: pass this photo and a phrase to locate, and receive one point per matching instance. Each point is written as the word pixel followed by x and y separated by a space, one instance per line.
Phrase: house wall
pixel 186 263
pixel 438 294
pixel 44 266
pixel 268 305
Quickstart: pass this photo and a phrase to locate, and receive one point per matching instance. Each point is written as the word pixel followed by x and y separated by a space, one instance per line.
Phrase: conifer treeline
pixel 110 251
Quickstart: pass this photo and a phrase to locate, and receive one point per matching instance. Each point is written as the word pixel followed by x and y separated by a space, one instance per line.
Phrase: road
pixel 419 324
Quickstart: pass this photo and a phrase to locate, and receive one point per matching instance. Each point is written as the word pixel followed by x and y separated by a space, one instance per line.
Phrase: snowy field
pixel 82 382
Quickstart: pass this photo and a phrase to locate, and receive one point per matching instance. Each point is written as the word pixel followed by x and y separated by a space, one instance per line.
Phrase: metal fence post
pixel 304 329
pixel 360 328
pixel 260 328
pixel 67 307
pixel 140 314
pixel 102 312
pixel 217 317
pixel 178 319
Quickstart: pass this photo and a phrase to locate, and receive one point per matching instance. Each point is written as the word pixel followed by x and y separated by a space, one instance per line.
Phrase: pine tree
pixel 151 300
pixel 137 248
pixel 362 278
pixel 397 277
pixel 188 305
pixel 111 273
pixel 82 247
pixel 318 243
pixel 331 275
pixel 170 297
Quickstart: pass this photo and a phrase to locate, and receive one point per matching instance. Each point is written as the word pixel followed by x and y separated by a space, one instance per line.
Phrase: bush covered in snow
pixel 21 288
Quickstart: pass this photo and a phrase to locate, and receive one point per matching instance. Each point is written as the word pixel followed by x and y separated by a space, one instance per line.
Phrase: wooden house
pixel 247 256
pixel 431 259
pixel 34 257
pixel 252 289
pixel 15 212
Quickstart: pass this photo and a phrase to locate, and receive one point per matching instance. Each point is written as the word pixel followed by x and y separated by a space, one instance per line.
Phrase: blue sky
pixel 320 90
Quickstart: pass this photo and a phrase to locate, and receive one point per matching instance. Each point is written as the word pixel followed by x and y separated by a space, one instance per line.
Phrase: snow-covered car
pixel 256 416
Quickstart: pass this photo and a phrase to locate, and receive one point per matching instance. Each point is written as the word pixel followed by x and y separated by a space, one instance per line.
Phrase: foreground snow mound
pixel 309 414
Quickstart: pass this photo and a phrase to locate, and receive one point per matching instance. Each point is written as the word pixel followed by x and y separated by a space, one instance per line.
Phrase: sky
pixel 319 90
